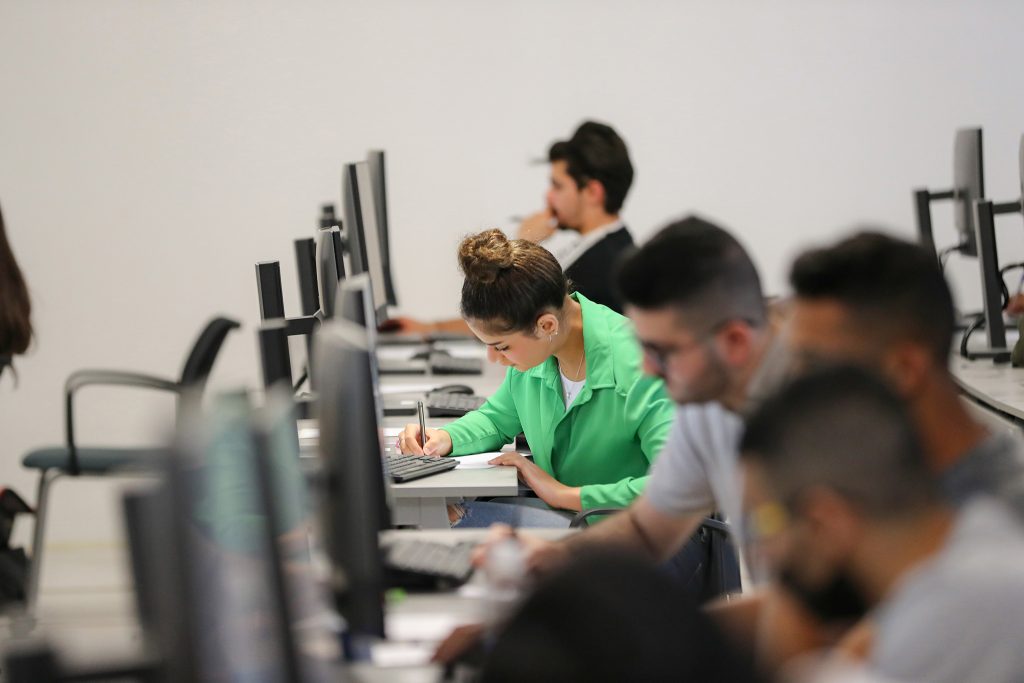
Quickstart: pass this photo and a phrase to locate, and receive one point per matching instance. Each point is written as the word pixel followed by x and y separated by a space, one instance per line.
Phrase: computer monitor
pixel 330 255
pixel 968 186
pixel 206 547
pixel 353 498
pixel 362 232
pixel 355 296
pixel 378 176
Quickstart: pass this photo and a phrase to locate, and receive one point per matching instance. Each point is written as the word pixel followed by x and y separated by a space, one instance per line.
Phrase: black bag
pixel 707 566
pixel 13 561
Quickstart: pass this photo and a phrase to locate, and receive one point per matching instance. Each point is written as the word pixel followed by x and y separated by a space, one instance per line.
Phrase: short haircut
pixel 609 616
pixel 509 283
pixel 698 268
pixel 843 428
pixel 596 152
pixel 894 289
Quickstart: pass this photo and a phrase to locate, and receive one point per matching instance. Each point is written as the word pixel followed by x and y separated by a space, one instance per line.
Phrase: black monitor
pixel 995 294
pixel 353 497
pixel 361 230
pixel 968 187
pixel 378 176
pixel 330 257
pixel 355 298
pixel 211 543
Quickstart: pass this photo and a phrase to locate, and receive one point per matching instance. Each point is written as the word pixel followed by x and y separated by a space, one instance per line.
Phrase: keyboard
pixel 403 468
pixel 442 363
pixel 444 404
pixel 412 559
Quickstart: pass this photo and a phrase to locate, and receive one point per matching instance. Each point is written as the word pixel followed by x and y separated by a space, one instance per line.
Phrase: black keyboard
pixel 442 363
pixel 444 404
pixel 404 468
pixel 414 558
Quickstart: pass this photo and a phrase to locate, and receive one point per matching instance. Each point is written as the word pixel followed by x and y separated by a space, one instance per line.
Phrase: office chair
pixel 74 460
pixel 707 565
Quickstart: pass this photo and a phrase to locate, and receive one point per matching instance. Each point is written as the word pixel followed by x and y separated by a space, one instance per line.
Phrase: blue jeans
pixel 516 512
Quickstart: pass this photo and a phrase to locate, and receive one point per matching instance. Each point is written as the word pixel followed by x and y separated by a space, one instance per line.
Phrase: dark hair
pixel 15 306
pixel 596 152
pixel 894 288
pixel 697 267
pixel 612 617
pixel 843 428
pixel 509 283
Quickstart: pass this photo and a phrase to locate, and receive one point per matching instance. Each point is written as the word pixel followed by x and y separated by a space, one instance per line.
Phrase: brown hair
pixel 509 283
pixel 15 307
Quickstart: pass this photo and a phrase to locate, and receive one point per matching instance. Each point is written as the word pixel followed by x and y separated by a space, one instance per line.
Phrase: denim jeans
pixel 514 511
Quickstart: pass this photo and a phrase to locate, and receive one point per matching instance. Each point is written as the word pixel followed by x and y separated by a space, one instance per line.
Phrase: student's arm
pixel 640 528
pixel 493 425
pixel 414 326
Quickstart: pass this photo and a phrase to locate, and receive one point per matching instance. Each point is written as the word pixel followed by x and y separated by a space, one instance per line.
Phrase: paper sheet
pixel 477 461
pixel 388 389
pixel 401 654
pixel 420 627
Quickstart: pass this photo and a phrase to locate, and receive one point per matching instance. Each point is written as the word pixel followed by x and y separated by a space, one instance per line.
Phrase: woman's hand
pixel 547 488
pixel 439 442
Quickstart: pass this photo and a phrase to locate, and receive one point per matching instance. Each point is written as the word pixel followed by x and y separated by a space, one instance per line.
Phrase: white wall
pixel 151 152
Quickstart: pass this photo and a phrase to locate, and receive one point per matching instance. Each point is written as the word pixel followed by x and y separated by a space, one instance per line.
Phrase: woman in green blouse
pixel 575 385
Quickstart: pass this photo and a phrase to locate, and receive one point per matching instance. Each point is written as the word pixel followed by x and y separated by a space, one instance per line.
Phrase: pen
pixel 423 423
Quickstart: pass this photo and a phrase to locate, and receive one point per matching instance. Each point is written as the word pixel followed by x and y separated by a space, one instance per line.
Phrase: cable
pixel 978 323
pixel 944 255
pixel 302 379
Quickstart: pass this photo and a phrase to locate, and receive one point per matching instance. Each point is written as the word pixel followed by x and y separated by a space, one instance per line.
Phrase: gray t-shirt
pixel 994 467
pixel 697 470
pixel 958 617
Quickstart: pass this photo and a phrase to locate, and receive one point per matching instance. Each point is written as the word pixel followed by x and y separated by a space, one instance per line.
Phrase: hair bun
pixel 483 256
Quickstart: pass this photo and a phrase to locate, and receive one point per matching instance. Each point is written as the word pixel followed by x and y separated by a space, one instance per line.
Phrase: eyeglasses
pixel 661 355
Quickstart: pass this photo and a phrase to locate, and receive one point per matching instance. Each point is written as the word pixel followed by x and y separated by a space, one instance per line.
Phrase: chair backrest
pixel 204 352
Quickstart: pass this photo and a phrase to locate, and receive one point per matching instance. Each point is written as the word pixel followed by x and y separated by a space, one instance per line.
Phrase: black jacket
pixel 593 273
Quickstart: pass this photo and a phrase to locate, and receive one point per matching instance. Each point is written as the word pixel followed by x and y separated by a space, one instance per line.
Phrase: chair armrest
pixel 84 378
pixel 717 525
pixel 583 515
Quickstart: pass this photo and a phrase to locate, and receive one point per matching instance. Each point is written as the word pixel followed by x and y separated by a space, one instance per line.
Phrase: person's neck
pixel 596 221
pixel 736 395
pixel 946 428
pixel 892 548
pixel 568 350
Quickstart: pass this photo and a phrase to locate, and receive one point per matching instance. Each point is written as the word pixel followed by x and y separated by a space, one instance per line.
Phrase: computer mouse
pixel 455 389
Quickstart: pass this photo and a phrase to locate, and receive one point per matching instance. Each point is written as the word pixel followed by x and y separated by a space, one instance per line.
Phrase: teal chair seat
pixel 92 461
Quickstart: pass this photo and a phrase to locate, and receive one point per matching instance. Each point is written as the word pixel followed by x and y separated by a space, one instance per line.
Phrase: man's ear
pixel 907 365
pixel 833 525
pixel 735 342
pixel 594 193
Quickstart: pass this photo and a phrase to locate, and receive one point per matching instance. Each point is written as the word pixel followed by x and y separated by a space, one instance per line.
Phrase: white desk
pixel 423 503
pixel 995 391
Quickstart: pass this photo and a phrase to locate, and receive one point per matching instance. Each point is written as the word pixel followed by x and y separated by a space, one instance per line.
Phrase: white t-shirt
pixel 571 389
pixel 958 617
